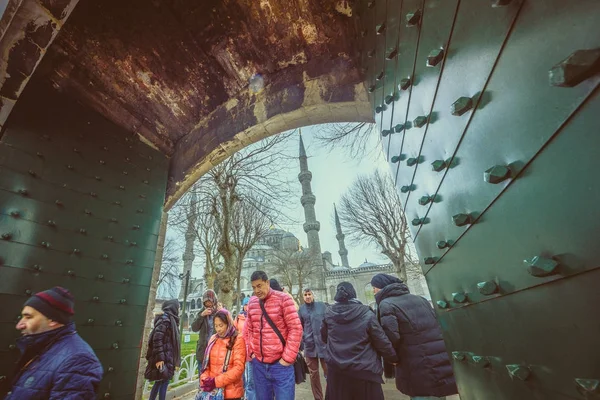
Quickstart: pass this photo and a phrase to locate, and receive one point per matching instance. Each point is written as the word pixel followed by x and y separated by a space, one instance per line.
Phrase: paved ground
pixel 303 392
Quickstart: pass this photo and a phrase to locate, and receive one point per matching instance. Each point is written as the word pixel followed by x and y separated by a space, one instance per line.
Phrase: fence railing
pixel 188 372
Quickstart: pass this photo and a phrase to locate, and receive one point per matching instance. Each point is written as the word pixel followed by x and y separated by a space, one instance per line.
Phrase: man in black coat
pixel 355 344
pixel 424 370
pixel 203 324
pixel 311 315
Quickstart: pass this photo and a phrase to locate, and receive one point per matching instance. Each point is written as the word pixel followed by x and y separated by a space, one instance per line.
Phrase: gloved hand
pixel 208 384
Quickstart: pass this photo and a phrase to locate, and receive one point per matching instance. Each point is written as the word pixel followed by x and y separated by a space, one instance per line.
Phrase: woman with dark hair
pixel 164 348
pixel 355 343
pixel 224 359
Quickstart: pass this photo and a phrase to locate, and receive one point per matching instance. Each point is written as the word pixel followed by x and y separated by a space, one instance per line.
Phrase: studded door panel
pixel 80 207
pixel 494 161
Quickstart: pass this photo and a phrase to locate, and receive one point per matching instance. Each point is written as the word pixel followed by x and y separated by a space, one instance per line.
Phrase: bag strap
pixel 227 357
pixel 270 322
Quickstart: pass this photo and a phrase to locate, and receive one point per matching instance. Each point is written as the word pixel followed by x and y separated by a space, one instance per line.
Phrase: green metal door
pixel 80 207
pixel 488 112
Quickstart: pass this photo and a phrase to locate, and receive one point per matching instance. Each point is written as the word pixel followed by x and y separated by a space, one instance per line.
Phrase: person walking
pixel 273 333
pixel 311 315
pixel 240 321
pixel 275 285
pixel 355 344
pixel 424 371
pixel 224 359
pixel 55 362
pixel 164 349
pixel 203 324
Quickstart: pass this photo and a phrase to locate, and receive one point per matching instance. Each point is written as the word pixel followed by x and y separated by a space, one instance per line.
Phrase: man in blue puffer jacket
pixel 55 362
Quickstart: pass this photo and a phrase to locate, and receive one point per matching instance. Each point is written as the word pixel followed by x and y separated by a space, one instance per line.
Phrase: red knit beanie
pixel 56 304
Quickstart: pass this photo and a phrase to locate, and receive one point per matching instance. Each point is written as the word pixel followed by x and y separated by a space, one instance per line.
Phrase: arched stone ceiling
pixel 178 72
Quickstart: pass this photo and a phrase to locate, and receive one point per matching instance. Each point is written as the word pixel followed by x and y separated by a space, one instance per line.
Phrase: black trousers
pixel 344 387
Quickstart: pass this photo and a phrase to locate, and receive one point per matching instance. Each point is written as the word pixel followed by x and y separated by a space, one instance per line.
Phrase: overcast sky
pixel 333 173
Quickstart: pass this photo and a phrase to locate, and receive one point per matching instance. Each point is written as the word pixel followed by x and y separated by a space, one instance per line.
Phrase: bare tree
pixel 354 137
pixel 293 267
pixel 204 229
pixel 245 194
pixel 249 223
pixel 372 213
pixel 168 280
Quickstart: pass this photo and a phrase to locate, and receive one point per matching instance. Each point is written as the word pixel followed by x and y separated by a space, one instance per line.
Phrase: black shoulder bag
pixel 300 367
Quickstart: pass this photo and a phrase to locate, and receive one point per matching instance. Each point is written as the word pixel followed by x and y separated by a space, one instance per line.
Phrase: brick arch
pixel 293 100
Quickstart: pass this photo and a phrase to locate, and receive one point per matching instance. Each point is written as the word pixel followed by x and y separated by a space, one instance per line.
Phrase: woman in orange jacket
pixel 213 374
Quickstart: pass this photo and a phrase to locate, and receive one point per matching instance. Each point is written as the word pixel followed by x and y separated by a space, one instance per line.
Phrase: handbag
pixel 218 393
pixel 299 365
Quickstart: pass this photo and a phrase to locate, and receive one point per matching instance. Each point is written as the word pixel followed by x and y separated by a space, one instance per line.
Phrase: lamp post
pixel 185 276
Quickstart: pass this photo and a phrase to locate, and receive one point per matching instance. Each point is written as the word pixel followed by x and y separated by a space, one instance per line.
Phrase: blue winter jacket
pixel 66 368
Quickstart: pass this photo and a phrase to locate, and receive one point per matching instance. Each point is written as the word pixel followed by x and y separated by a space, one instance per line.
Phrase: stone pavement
pixel 303 392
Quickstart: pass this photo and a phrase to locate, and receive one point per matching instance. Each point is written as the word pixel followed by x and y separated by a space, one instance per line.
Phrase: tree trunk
pixel 401 270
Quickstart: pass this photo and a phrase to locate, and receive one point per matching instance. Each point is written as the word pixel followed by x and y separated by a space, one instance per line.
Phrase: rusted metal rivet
pixel 392 54
pixel 434 57
pixel 430 260
pixel 424 200
pixel 461 106
pixel 438 165
pixel 462 219
pixel 487 288
pixel 588 386
pixel 412 161
pixel 420 121
pixel 539 266
pixel 518 371
pixel 398 128
pixel 418 221
pixel 481 361
pixel 6 236
pixel 579 66
pixel 395 159
pixel 115 346
pixel 459 355
pixel 459 297
pixel 413 18
pixel 405 83
pixel 442 244
pixel 442 304
pixel 496 174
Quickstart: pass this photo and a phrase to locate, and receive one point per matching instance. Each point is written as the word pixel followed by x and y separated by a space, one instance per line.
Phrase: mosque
pixel 325 275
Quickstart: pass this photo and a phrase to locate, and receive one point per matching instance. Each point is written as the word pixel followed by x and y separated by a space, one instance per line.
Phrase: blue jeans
pixel 160 389
pixel 273 381
pixel 249 382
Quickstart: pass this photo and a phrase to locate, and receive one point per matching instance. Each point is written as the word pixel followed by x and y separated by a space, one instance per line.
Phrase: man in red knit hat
pixel 55 363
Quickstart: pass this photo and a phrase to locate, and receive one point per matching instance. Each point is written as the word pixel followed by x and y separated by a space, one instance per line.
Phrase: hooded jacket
pixel 62 367
pixel 231 380
pixel 262 340
pixel 163 344
pixel 409 322
pixel 204 326
pixel 311 316
pixel 355 341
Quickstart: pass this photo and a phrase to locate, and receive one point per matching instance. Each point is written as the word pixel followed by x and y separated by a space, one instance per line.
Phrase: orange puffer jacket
pixel 262 341
pixel 231 380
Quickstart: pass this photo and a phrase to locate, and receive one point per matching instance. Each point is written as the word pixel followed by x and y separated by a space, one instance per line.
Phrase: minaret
pixel 340 238
pixel 190 236
pixel 311 226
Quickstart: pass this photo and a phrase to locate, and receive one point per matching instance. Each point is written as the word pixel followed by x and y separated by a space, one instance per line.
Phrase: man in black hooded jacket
pixel 424 371
pixel 355 344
